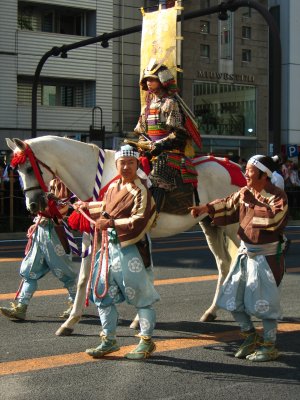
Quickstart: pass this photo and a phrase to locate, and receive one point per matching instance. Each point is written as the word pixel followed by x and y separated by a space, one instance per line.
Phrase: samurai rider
pixel 167 133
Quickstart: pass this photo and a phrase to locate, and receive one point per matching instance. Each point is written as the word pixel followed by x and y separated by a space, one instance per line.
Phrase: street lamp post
pixel 221 10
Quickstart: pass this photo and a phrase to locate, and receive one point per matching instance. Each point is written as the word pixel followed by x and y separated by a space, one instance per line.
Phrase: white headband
pixel 127 151
pixel 254 161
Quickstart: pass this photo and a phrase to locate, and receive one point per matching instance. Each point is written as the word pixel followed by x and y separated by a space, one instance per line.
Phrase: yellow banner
pixel 158 45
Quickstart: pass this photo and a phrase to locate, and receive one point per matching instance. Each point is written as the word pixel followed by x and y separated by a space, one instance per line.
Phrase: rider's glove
pixel 158 148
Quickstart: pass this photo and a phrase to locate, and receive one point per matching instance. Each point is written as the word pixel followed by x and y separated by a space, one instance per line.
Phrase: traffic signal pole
pixel 221 10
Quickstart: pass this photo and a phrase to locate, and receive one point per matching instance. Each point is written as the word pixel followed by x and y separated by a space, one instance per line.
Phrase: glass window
pixel 204 27
pixel 204 3
pixel 48 95
pixel 56 19
pixel 246 32
pixel 67 24
pixel 246 12
pixel 225 109
pixel 67 96
pixel 233 149
pixel 246 55
pixel 71 96
pixel 24 93
pixel 226 37
pixel 204 50
pixel 25 22
pixel 166 3
pixel 47 22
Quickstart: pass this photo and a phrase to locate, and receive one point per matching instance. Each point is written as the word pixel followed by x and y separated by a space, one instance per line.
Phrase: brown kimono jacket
pixel 259 223
pixel 132 209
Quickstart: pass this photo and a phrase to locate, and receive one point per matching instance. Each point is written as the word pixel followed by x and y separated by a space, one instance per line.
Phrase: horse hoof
pixel 134 325
pixel 208 317
pixel 64 331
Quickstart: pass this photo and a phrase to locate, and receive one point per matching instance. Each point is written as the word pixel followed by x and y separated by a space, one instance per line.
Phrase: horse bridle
pixel 33 160
pixel 32 188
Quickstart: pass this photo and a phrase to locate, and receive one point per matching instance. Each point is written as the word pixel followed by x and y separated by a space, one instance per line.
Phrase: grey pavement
pixel 22 235
pixel 203 368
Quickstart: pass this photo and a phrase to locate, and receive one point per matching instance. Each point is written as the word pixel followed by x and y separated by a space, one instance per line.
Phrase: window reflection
pixel 225 109
pixel 226 38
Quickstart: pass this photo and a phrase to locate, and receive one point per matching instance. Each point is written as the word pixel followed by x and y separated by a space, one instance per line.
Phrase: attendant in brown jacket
pixel 48 251
pixel 251 287
pixel 121 269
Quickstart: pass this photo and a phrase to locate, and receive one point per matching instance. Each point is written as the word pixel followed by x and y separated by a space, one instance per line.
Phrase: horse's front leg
pixel 224 250
pixel 67 327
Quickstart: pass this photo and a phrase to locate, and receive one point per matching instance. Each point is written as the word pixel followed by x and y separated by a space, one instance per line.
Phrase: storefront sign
pixel 292 150
pixel 225 77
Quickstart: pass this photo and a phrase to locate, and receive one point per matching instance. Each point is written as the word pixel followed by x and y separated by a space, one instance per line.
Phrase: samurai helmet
pixel 162 74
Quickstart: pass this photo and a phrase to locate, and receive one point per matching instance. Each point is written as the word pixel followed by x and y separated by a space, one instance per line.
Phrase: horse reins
pixel 40 173
pixel 28 153
pixel 104 246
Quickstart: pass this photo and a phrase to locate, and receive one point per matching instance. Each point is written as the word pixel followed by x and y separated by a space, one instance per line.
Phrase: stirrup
pixel 143 350
pixel 266 352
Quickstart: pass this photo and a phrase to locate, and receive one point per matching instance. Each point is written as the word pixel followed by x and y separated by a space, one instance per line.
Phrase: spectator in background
pixel 5 174
pixel 18 196
pixel 294 175
pixel 295 184
pixel 2 167
pixel 277 180
pixel 285 169
pixel 6 187
pixel 243 164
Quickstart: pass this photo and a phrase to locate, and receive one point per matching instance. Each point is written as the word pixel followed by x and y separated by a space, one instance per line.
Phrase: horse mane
pixel 93 145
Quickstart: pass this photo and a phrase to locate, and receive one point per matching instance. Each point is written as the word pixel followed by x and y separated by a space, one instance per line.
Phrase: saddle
pixel 178 200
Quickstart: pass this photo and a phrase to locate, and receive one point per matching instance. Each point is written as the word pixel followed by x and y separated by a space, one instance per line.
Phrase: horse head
pixel 34 192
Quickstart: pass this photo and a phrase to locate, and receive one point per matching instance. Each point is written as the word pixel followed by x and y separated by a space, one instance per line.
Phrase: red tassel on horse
pixel 145 164
pixel 78 222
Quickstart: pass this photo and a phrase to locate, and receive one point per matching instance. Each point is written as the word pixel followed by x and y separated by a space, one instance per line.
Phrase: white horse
pixel 75 163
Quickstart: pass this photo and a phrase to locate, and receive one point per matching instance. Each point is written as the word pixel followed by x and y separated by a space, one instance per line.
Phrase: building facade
pixel 69 87
pixel 224 80
pixel 287 14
